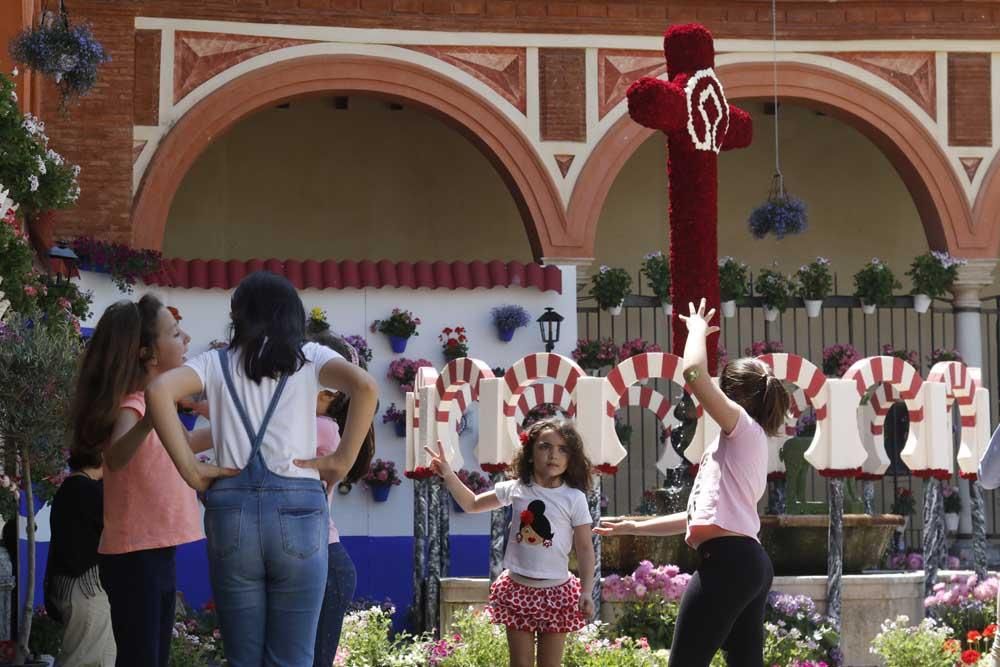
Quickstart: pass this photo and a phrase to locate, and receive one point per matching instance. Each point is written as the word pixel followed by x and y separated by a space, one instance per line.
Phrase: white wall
pixel 205 317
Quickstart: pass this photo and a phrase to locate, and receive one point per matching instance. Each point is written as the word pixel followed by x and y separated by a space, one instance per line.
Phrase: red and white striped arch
pixel 652 400
pixel 449 412
pixel 464 370
pixel 532 370
pixel 803 374
pixel 645 366
pixel 961 388
pixel 904 379
pixel 797 405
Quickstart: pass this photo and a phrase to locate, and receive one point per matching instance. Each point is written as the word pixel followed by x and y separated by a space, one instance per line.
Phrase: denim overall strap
pixel 255 438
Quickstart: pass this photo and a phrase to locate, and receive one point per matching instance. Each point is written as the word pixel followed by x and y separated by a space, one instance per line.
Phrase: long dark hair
pixel 337 410
pixel 577 473
pixel 751 383
pixel 113 366
pixel 268 326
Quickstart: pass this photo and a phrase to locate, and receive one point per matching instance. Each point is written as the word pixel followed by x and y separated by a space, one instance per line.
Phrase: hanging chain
pixel 774 63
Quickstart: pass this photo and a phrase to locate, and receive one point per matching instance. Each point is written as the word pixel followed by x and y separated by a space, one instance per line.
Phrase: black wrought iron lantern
pixel 548 325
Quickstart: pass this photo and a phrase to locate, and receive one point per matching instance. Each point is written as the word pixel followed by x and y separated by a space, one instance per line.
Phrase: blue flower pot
pixel 398 344
pixel 93 268
pixel 189 419
pixel 400 427
pixel 506 335
pixel 456 508
pixel 380 492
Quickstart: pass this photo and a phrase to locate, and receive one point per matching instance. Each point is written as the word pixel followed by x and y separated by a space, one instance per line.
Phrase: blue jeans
pixel 267 563
pixel 341 580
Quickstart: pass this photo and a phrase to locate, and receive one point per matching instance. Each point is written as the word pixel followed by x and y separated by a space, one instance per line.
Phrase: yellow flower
pixel 317 314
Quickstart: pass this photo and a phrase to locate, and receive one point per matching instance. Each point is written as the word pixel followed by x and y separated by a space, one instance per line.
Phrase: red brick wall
pixel 562 98
pixel 146 87
pixel 96 133
pixel 969 121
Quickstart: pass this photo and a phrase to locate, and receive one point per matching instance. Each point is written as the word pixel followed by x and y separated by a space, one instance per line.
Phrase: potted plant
pixel 938 355
pixel 610 287
pixel 909 356
pixel 760 347
pixel 838 358
pixel 360 345
pixel 399 326
pixel 814 283
pixel 381 477
pixel 38 360
pixel 124 264
pixel 774 289
pixel 509 318
pixel 781 214
pixel 477 483
pixel 593 355
pixel 904 505
pixel 952 506
pixel 454 343
pixel 734 283
pixel 69 54
pixel 397 418
pixel 933 274
pixel 656 268
pixel 631 348
pixel 404 372
pixel 874 284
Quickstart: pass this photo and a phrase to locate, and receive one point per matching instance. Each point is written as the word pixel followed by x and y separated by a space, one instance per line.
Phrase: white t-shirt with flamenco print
pixel 541 530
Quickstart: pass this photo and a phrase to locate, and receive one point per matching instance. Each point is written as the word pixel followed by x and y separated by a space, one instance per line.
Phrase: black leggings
pixel 723 606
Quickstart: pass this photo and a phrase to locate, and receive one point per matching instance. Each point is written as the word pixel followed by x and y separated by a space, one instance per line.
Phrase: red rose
pixel 990 630
pixel 970 657
pixel 973 636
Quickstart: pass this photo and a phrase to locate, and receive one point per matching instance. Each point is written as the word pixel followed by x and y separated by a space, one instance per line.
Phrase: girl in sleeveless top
pixel 723 607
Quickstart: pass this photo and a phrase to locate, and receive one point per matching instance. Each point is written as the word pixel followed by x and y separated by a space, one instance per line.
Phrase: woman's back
pixel 291 433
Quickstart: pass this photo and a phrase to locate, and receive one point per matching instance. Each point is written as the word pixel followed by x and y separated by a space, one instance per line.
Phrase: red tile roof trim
pixel 348 274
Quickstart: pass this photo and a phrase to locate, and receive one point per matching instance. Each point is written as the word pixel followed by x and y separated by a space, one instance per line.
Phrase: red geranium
pixel 990 630
pixel 973 636
pixel 970 657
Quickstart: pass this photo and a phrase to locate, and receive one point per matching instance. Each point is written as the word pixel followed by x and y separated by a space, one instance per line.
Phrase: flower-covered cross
pixel 691 109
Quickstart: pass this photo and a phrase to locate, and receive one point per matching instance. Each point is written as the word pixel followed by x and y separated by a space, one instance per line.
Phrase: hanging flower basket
pixel 69 54
pixel 781 215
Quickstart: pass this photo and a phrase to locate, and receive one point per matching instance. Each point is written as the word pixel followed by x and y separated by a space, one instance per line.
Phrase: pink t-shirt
pixel 147 504
pixel 327 440
pixel 732 477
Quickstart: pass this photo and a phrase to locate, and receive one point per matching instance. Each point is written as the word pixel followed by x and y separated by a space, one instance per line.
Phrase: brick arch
pixel 986 212
pixel 497 137
pixel 912 150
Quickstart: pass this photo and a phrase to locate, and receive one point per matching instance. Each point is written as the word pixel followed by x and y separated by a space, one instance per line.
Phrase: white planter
pixel 729 309
pixel 813 306
pixel 771 314
pixel 951 522
pixel 921 303
pixel 668 308
pixel 868 308
pixel 617 310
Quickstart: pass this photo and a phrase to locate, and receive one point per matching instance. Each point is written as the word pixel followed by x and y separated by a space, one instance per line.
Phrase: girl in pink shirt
pixel 341 577
pixel 723 606
pixel 148 508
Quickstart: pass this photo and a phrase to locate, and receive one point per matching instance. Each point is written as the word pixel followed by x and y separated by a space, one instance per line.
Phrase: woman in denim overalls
pixel 266 515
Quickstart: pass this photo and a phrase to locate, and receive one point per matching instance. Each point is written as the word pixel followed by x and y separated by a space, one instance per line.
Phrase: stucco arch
pixel 912 150
pixel 499 139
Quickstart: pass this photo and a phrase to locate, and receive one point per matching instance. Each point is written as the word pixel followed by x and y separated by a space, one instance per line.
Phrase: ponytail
pixel 751 383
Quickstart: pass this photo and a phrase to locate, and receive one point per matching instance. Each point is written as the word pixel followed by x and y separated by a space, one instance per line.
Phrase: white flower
pixel 76 170
pixel 875 261
pixel 604 269
pixel 15 72
pixel 33 182
pixel 53 156
pixel 13 96
pixel 41 165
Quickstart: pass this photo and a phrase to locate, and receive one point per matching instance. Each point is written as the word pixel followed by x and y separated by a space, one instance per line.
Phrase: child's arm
pixel 584 546
pixel 719 407
pixel 361 387
pixel 161 407
pixel 129 431
pixel 462 494
pixel 668 524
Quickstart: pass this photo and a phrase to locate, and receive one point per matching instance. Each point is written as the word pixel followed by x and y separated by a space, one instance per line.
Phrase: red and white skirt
pixel 519 607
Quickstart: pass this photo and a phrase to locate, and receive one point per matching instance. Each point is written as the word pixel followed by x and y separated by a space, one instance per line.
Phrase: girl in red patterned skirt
pixel 536 597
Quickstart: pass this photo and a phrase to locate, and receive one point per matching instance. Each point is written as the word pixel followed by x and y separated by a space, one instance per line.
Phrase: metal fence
pixel 840 321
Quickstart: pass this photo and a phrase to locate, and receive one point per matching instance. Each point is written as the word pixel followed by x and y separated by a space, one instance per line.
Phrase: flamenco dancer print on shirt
pixel 535 528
